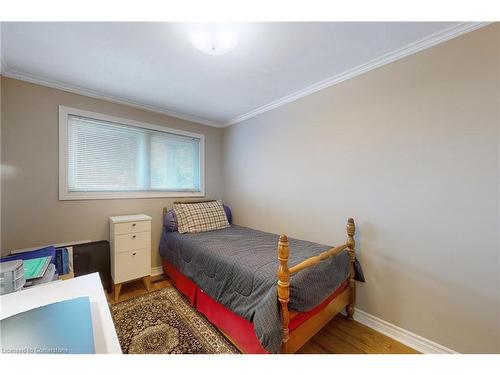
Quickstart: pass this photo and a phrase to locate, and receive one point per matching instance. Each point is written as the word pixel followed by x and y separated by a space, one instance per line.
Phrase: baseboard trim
pixel 408 338
pixel 155 271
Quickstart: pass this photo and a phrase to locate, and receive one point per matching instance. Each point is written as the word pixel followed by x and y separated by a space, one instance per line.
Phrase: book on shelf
pixel 50 275
pixel 49 251
pixel 62 261
pixel 65 261
pixel 35 268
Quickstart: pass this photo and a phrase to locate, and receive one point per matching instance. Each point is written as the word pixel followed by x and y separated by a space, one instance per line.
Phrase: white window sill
pixel 66 196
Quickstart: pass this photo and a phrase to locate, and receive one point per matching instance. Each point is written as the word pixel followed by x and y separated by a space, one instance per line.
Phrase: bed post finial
pixel 284 288
pixel 351 229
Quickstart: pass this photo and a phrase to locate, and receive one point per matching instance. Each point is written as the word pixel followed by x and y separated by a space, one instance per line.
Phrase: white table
pixel 105 339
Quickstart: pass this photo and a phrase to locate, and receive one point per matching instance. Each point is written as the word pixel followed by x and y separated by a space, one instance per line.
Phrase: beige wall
pixel 410 150
pixel 32 215
pixel 0 157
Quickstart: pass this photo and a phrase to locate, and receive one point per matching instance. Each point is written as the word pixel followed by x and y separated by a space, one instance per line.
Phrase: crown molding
pixel 15 74
pixel 412 48
pixel 2 65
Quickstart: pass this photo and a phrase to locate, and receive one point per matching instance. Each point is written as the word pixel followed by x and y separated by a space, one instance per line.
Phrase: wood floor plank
pixel 330 342
pixel 136 288
pixel 339 336
pixel 365 338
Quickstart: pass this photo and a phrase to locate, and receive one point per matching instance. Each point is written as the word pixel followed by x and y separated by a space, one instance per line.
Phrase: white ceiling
pixel 153 64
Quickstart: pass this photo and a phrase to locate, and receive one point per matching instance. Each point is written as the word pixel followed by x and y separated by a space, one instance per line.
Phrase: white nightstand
pixel 130 250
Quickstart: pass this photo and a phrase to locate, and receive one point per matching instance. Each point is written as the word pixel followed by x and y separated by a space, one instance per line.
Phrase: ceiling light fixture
pixel 213 38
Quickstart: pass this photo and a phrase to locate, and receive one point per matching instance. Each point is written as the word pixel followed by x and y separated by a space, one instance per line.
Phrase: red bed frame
pixel 239 330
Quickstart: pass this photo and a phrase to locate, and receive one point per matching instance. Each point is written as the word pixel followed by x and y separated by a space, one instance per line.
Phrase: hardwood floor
pixel 343 336
pixel 136 288
pixel 340 336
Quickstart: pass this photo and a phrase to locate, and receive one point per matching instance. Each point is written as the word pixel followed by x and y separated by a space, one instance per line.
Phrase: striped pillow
pixel 200 217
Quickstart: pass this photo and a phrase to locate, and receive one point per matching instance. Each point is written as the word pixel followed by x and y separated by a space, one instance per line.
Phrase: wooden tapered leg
pixel 351 228
pixel 352 299
pixel 146 280
pixel 117 289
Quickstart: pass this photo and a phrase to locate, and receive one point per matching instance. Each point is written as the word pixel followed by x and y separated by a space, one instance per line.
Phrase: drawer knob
pixel 134 224
pixel 134 253
pixel 133 236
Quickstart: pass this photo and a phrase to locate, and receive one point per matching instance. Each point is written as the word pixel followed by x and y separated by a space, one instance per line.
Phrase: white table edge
pixel 105 338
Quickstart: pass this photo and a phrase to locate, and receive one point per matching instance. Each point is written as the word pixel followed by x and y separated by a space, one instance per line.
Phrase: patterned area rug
pixel 163 322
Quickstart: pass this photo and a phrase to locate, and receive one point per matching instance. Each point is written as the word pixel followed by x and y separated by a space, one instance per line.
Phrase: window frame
pixel 65 194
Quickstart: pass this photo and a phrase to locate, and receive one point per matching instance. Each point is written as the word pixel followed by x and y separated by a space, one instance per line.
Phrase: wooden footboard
pixel 292 342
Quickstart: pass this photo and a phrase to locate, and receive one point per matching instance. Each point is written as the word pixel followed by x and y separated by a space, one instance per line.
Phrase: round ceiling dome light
pixel 213 38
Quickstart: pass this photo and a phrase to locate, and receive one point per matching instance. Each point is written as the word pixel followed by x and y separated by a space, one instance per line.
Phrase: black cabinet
pixel 93 257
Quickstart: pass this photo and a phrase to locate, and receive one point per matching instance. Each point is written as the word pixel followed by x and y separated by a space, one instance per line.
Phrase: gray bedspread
pixel 237 266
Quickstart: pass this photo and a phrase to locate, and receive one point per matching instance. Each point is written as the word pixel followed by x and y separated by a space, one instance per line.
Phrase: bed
pixel 264 300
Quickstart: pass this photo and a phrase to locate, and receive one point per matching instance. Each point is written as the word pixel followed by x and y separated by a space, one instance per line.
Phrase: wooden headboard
pixel 165 209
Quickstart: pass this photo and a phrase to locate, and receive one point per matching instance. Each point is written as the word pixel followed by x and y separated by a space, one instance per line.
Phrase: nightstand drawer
pixel 132 227
pixel 131 241
pixel 132 265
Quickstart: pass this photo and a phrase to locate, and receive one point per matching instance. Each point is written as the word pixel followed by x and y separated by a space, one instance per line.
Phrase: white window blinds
pixel 110 157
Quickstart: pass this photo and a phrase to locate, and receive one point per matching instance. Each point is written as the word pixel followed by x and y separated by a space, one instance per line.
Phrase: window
pixel 106 157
